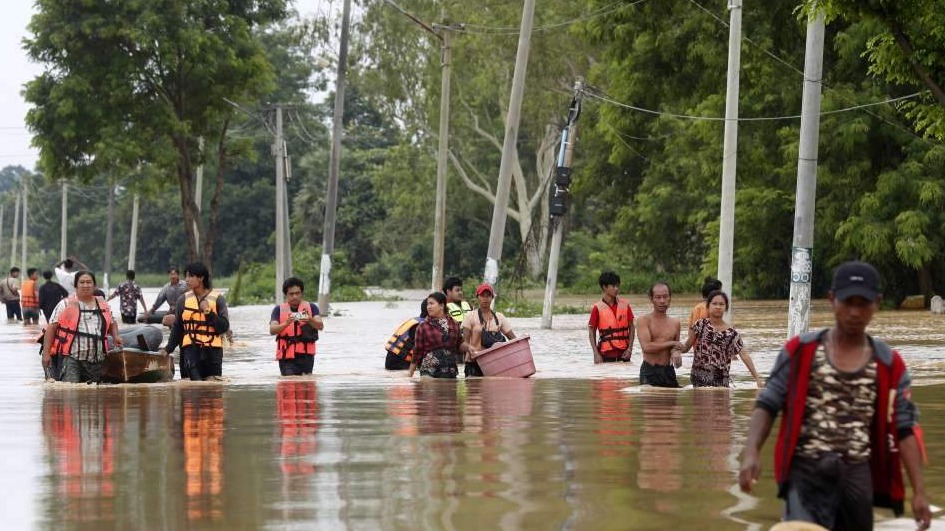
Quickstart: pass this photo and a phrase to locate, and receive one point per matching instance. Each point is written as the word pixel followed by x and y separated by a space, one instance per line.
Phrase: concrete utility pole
pixel 63 228
pixel 26 217
pixel 439 219
pixel 109 233
pixel 2 207
pixel 805 200
pixel 15 231
pixel 730 149
pixel 331 205
pixel 278 151
pixel 198 196
pixel 133 239
pixel 497 233
pixel 559 200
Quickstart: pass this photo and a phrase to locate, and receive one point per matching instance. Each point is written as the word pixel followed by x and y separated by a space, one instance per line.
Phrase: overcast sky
pixel 15 70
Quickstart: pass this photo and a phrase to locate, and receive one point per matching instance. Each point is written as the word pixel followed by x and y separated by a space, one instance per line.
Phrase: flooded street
pixel 577 446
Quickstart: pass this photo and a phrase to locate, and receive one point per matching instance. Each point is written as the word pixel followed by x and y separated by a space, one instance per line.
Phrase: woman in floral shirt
pixel 438 341
pixel 717 344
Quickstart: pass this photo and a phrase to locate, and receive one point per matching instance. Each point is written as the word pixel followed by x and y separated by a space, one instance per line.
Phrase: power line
pixel 745 119
pixel 508 30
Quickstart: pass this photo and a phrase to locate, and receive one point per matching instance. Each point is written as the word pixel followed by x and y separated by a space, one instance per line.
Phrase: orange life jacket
pixel 68 325
pixel 613 327
pixel 400 344
pixel 29 298
pixel 294 339
pixel 197 330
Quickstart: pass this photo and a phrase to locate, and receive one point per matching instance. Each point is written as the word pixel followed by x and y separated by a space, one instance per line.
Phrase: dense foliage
pixel 647 159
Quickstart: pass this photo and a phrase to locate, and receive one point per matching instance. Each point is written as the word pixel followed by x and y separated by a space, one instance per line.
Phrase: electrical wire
pixel 507 30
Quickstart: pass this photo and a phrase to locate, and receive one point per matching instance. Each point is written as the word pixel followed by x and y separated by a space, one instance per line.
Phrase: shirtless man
pixel 659 339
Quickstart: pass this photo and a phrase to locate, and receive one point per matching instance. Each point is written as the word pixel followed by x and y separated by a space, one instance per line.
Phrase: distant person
pixel 438 341
pixel 295 323
pixel 701 310
pixel 659 339
pixel 50 293
pixel 65 272
pixel 483 328
pixel 77 334
pixel 29 297
pixel 611 328
pixel 170 293
pixel 129 295
pixel 401 343
pixel 200 323
pixel 848 423
pixel 10 294
pixel 456 307
pixel 717 344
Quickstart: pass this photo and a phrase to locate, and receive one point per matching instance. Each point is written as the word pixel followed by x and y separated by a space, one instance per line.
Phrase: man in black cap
pixel 848 425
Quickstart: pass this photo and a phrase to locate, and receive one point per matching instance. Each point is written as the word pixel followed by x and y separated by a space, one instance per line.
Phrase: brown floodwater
pixel 577 446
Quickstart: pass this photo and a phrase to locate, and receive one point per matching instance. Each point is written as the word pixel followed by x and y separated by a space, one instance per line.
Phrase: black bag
pixel 489 339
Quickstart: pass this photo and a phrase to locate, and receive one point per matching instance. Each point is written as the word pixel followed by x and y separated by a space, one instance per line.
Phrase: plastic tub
pixel 511 358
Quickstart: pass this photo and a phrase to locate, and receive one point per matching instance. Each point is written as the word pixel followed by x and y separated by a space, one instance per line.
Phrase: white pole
pixel 497 232
pixel 730 150
pixel 802 250
pixel 280 203
pixel 133 240
pixel 63 232
pixel 26 217
pixel 15 231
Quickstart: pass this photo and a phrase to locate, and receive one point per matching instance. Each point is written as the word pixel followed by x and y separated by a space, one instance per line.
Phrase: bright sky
pixel 16 70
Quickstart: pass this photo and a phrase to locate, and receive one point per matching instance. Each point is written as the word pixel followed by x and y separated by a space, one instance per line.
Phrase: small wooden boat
pixel 131 365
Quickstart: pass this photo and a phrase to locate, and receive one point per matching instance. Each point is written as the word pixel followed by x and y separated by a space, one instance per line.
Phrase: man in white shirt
pixel 65 272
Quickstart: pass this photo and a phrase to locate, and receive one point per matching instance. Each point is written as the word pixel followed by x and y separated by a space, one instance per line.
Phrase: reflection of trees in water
pixel 659 452
pixel 81 447
pixel 202 429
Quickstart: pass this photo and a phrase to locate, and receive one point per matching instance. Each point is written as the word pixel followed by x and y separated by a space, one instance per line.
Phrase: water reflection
pixel 297 409
pixel 613 417
pixel 80 446
pixel 202 429
pixel 712 424
pixel 660 452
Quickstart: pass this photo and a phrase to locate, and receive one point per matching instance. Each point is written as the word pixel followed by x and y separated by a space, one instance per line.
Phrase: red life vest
pixel 888 489
pixel 612 326
pixel 293 340
pixel 68 325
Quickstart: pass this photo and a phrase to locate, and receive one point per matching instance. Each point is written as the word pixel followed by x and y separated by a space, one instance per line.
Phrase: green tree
pixel 138 83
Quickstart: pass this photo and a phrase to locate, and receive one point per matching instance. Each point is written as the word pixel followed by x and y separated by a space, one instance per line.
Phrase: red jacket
pixel 894 416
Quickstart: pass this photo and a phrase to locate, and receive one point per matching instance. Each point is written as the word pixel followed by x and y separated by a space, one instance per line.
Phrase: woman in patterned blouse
pixel 438 341
pixel 717 344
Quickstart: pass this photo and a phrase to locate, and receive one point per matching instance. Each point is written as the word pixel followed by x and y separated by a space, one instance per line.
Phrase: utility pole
pixel 109 231
pixel 63 231
pixel 26 193
pixel 278 151
pixel 2 207
pixel 16 228
pixel 497 233
pixel 439 218
pixel 331 205
pixel 730 150
pixel 805 200
pixel 133 240
pixel 198 196
pixel 559 201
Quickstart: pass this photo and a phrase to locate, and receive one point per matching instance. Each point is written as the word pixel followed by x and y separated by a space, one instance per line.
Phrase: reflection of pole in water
pixel 203 451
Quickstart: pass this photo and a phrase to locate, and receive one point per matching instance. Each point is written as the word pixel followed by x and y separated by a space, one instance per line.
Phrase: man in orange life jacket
pixel 610 329
pixel 295 323
pixel 29 297
pixel 200 322
pixel 848 422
